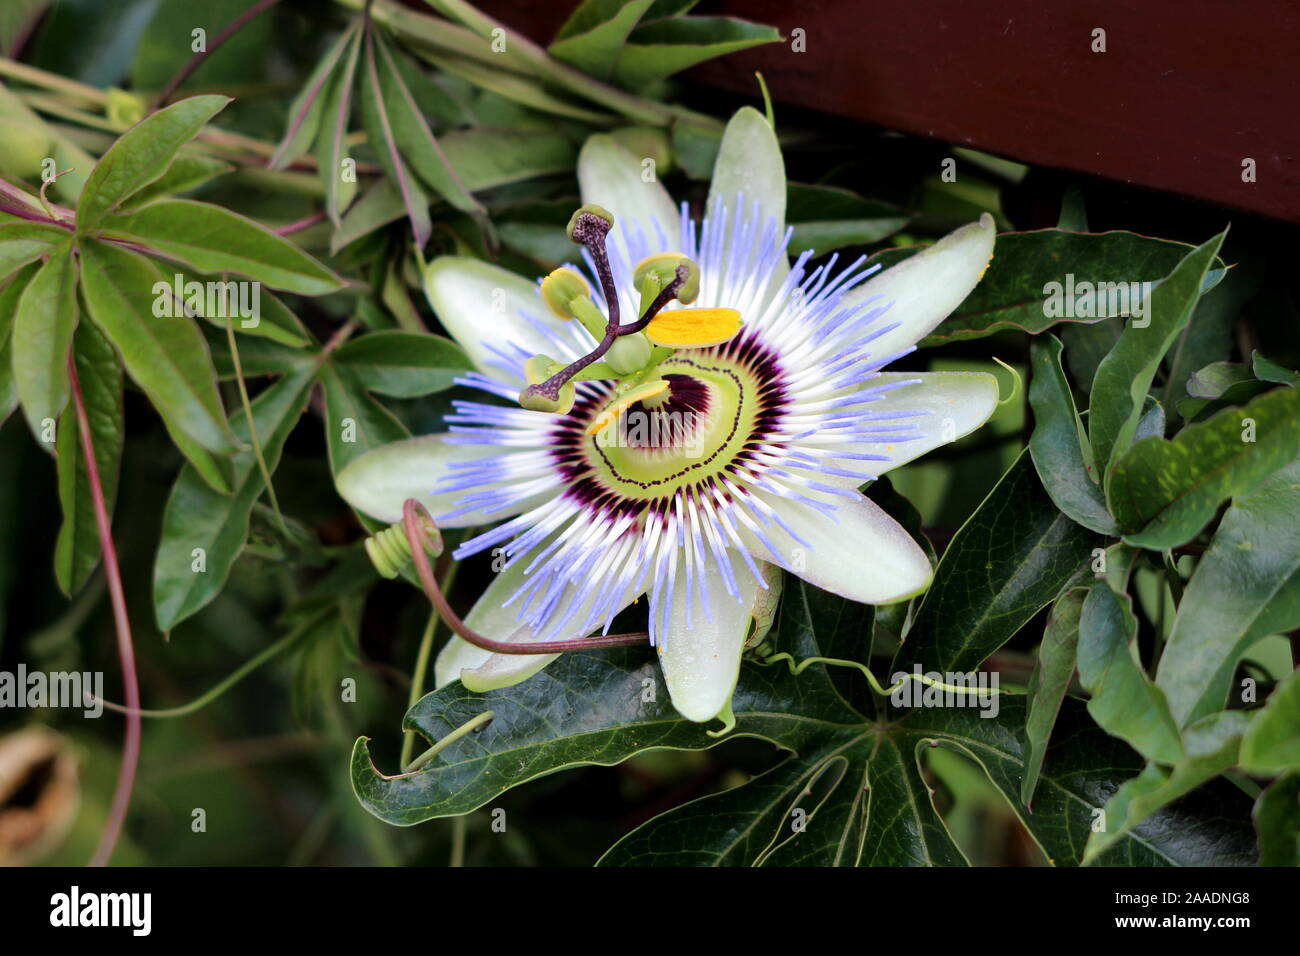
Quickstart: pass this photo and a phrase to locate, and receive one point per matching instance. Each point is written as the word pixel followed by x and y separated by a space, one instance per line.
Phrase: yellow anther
pixel 693 328
pixel 626 401
pixel 560 288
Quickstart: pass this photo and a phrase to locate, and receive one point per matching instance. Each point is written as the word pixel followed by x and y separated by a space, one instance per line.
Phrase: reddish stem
pixel 196 61
pixel 125 649
pixel 412 514
pixel 301 224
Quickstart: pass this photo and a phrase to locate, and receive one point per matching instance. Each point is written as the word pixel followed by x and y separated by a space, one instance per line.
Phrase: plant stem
pixel 252 425
pixel 233 27
pixel 463 730
pixel 51 81
pixel 417 683
pixel 458 841
pixel 235 676
pixel 126 650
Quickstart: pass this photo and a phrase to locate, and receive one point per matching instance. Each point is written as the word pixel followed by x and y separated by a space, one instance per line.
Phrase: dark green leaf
pixel 1124 700
pixel 593 36
pixel 10 296
pixel 1247 586
pixel 1011 558
pixel 1058 443
pixel 212 239
pixel 1212 745
pixel 1015 293
pixel 1163 492
pixel 166 357
pixel 403 364
pixel 197 517
pixel 406 131
pixel 1277 821
pixel 1272 745
pixel 311 103
pixel 826 218
pixel 659 48
pixel 1124 376
pixel 1049 683
pixel 332 149
pixel 1268 371
pixel 354 422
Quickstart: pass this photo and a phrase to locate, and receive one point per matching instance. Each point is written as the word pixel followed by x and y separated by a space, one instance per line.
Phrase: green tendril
pixel 464 729
pixel 801 666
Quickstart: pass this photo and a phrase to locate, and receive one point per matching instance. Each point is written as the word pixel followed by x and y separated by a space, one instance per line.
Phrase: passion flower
pixel 731 435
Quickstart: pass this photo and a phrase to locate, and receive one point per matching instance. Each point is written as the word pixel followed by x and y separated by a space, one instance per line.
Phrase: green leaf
pixel 1058 443
pixel 185 173
pixel 1272 745
pixel 77 552
pixel 196 517
pixel 659 48
pixel 1163 492
pixel 376 114
pixel 311 103
pixel 1010 559
pixel 403 364
pixel 1124 700
pixel 593 36
pixel 860 783
pixel 209 238
pixel 1212 745
pixel 1049 683
pixel 406 131
pixel 10 296
pixel 826 218
pixel 255 311
pixel 1016 292
pixel 354 422
pixel 487 158
pixel 332 148
pixel 42 337
pixel 1125 374
pixel 142 154
pixel 1277 821
pixel 1268 371
pixel 1246 586
pixel 1207 337
pixel 167 358
pixel 25 242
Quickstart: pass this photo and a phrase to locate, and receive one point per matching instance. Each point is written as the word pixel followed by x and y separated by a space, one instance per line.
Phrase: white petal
pixel 955 403
pixel 859 552
pixel 611 176
pixel 482 670
pixel 379 482
pixel 749 166
pixel 489 310
pixel 702 659
pixel 925 288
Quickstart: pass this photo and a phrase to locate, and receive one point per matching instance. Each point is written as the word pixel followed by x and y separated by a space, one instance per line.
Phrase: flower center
pixel 708 421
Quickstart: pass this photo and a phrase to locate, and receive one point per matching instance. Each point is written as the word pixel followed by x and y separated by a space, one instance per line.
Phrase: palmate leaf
pixel 198 517
pixel 1163 492
pixel 1246 586
pixel 141 155
pixel 1058 443
pixel 659 48
pixel 1120 386
pixel 1013 295
pixel 857 784
pixel 595 32
pixel 1010 559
